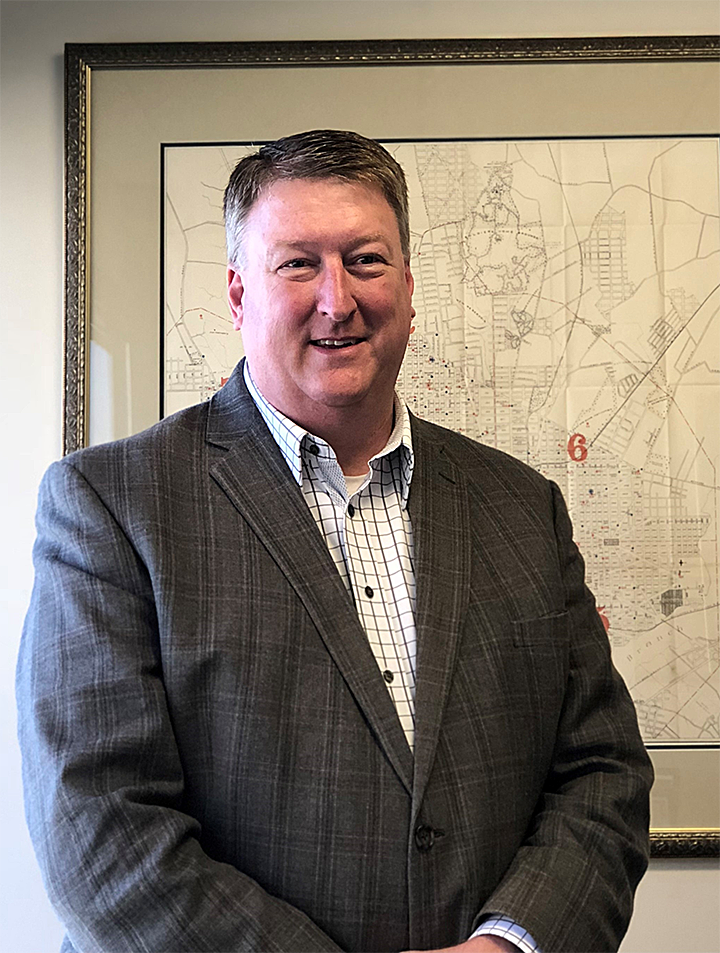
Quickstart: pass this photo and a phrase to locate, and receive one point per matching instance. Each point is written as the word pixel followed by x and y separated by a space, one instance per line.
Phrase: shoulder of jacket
pixel 469 454
pixel 180 433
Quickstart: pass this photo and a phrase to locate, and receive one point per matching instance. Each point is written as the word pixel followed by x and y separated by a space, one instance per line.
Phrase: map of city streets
pixel 567 297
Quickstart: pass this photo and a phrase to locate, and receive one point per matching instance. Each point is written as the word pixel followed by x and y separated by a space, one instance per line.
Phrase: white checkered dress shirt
pixel 368 532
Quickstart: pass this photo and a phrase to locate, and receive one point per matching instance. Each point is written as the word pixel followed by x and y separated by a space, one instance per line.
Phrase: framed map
pixel 566 294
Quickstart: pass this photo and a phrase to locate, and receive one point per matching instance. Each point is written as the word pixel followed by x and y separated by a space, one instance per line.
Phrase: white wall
pixel 678 901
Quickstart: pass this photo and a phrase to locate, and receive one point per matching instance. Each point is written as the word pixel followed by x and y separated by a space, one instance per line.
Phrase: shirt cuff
pixel 509 930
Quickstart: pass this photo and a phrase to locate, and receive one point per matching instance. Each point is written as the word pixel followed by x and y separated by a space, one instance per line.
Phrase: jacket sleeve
pixel 122 862
pixel 571 884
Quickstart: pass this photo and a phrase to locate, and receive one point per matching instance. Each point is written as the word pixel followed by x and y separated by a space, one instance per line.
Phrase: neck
pixel 356 432
pixel 355 437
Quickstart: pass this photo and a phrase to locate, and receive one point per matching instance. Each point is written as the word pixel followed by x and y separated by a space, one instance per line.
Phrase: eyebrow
pixel 363 240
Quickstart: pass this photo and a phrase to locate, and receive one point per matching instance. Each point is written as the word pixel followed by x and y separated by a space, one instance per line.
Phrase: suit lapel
pixel 439 512
pixel 256 480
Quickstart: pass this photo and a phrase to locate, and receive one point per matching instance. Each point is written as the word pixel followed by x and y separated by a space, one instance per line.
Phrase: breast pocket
pixel 511 679
pixel 542 658
pixel 549 632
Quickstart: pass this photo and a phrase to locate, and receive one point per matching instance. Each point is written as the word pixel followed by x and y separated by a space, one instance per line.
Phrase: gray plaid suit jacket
pixel 211 758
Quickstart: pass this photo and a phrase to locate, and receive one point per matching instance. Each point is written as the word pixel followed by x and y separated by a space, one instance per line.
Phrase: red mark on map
pixel 605 620
pixel 576 448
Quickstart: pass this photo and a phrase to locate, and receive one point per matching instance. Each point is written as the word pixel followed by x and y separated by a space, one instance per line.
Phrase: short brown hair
pixel 318 154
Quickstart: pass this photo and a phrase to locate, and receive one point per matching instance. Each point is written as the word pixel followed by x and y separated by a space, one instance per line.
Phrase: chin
pixel 337 393
pixel 339 399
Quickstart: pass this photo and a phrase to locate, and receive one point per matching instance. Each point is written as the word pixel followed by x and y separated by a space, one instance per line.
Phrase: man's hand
pixel 479 944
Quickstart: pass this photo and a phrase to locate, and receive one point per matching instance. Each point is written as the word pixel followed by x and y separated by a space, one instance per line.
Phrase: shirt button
pixel 388 676
pixel 313 449
pixel 369 592
pixel 351 510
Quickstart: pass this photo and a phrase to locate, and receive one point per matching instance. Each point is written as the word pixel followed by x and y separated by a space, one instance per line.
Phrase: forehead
pixel 294 207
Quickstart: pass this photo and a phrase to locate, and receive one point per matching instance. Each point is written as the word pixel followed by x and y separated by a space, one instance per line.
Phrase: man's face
pixel 323 298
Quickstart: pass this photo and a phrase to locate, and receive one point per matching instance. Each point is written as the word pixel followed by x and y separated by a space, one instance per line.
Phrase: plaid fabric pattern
pixel 369 535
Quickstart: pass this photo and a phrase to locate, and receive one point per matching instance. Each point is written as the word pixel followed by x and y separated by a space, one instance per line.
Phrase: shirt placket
pixel 355 531
pixel 376 604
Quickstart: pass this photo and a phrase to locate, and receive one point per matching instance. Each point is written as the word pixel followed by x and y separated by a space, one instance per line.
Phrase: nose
pixel 335 299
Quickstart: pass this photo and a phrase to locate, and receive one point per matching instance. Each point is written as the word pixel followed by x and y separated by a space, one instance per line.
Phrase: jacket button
pixel 424 837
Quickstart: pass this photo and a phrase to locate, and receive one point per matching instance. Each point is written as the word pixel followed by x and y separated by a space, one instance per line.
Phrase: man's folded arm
pixel 572 881
pixel 122 862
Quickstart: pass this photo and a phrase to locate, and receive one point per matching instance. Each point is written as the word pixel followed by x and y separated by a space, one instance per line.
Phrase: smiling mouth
pixel 336 344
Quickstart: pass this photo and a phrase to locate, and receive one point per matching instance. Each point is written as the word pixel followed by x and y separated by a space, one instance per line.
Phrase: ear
pixel 235 296
pixel 410 282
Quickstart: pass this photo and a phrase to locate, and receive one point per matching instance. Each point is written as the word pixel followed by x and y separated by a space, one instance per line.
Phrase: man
pixel 302 672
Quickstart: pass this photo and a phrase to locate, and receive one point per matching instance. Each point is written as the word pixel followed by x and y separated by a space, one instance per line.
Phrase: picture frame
pixel 123 100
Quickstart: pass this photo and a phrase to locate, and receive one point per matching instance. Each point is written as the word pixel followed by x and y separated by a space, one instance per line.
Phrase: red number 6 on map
pixel 576 448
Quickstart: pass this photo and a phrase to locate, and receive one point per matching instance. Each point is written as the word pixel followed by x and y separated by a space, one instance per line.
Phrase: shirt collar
pixel 291 437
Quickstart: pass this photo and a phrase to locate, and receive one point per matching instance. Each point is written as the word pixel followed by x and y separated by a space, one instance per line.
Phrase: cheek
pixel 265 314
pixel 388 305
pixel 288 307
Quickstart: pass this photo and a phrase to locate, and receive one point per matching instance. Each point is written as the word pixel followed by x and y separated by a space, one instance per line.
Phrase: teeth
pixel 331 342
